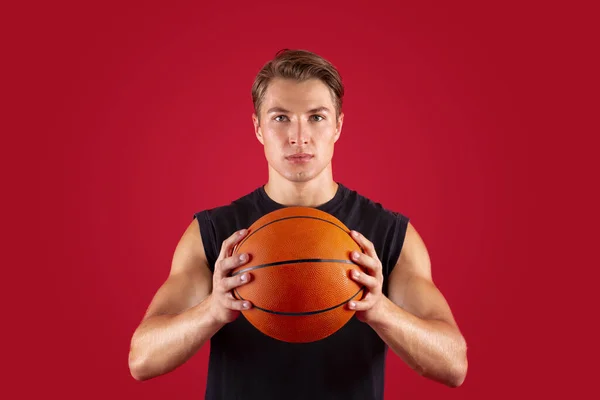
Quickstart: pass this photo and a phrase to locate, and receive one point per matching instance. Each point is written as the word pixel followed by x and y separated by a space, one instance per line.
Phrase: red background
pixel 126 119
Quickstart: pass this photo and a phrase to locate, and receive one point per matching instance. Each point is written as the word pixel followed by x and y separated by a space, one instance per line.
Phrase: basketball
pixel 299 258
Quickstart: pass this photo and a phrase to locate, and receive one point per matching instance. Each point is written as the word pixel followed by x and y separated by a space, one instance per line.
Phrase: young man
pixel 298 118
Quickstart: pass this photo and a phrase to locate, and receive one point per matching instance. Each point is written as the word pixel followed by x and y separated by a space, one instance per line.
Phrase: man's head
pixel 298 65
pixel 298 109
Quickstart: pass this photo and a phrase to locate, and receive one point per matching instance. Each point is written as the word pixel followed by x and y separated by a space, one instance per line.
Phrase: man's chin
pixel 299 176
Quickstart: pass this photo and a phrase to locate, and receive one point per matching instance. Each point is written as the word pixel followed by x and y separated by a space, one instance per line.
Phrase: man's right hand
pixel 224 308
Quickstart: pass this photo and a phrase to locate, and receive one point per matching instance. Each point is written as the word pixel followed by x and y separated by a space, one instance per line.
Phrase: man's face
pixel 298 118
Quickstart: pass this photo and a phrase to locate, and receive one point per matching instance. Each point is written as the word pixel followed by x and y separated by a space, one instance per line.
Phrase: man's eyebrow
pixel 277 110
pixel 318 110
pixel 283 110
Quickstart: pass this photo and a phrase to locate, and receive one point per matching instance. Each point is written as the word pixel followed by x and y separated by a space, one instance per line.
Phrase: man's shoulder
pixel 370 207
pixel 382 224
pixel 217 223
pixel 241 204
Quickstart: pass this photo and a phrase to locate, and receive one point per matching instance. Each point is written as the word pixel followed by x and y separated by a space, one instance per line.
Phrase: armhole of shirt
pixel 401 225
pixel 207 231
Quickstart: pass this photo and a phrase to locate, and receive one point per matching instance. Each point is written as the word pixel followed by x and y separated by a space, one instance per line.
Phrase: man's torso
pixel 246 364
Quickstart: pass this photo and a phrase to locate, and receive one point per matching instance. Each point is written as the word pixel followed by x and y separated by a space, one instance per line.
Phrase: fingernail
pixel 243 231
pixel 243 257
pixel 352 304
pixel 355 255
pixel 354 233
pixel 355 273
pixel 244 277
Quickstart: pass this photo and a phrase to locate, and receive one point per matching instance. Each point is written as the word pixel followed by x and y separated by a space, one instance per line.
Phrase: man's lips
pixel 299 158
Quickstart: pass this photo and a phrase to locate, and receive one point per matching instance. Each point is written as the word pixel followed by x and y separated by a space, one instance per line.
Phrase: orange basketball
pixel 300 263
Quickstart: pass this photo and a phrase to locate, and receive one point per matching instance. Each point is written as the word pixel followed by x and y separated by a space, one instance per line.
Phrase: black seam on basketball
pixel 283 219
pixel 300 260
pixel 298 314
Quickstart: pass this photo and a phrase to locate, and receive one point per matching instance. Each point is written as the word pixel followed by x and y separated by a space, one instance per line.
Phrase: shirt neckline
pixel 327 206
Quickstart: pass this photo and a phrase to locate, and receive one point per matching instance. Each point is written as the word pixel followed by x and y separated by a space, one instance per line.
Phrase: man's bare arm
pixel 189 308
pixel 416 321
pixel 176 323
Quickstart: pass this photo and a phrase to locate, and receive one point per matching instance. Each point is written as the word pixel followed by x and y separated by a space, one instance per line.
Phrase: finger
pixel 370 282
pixel 229 263
pixel 233 295
pixel 230 242
pixel 228 284
pixel 371 264
pixel 238 305
pixel 363 242
pixel 361 305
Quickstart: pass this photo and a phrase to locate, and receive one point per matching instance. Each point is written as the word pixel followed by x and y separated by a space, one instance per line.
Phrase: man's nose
pixel 299 133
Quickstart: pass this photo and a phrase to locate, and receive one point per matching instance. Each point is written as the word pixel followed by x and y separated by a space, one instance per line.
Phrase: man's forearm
pixel 164 342
pixel 433 348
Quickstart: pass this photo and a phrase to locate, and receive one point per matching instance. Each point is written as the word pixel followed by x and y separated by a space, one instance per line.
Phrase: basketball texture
pixel 300 263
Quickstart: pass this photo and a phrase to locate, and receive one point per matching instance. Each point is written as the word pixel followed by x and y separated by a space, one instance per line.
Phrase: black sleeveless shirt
pixel 246 364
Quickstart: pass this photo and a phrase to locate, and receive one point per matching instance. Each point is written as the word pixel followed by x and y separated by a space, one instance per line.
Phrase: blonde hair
pixel 299 65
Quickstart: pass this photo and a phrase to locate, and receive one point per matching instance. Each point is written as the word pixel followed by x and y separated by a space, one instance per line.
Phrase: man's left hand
pixel 372 279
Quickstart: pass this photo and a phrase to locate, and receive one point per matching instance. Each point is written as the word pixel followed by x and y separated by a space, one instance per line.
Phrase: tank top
pixel 349 364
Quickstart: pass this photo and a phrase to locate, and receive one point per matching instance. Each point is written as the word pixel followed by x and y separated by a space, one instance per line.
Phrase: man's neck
pixel 308 194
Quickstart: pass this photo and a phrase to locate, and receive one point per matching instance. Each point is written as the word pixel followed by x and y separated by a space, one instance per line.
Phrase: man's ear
pixel 338 128
pixel 257 130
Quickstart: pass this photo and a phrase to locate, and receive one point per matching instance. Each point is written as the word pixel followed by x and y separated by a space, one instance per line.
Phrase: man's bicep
pixel 422 298
pixel 190 279
pixel 411 285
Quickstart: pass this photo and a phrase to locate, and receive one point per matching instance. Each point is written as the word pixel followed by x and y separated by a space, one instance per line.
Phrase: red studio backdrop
pixel 136 116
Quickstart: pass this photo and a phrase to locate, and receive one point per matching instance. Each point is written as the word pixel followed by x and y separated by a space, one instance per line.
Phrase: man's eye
pixel 280 118
pixel 317 118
